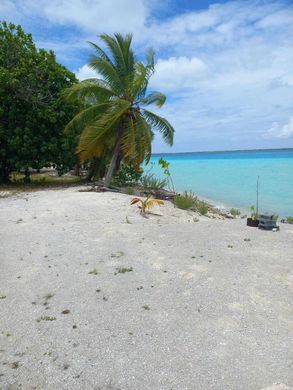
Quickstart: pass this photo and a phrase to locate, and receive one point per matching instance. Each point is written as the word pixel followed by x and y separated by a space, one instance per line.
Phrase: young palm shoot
pixel 146 204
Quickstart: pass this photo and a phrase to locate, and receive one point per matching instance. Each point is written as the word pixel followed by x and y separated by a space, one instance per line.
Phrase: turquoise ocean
pixel 229 179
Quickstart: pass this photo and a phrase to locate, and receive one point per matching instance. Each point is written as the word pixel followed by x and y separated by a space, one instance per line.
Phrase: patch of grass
pixel 129 190
pixel 38 181
pixel 202 207
pixel 146 307
pixel 93 272
pixel 123 270
pixel 186 200
pixel 46 318
pixel 235 212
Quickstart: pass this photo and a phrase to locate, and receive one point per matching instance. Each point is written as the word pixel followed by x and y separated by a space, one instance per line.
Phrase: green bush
pixel 202 207
pixel 235 212
pixel 290 220
pixel 127 175
pixel 186 200
pixel 130 190
pixel 151 182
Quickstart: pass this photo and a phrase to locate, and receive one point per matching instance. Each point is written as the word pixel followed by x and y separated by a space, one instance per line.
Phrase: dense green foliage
pixel 290 220
pixel 127 175
pixel 115 119
pixel 33 112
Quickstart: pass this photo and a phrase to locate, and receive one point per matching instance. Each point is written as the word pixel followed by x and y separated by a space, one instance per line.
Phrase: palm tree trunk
pixel 112 166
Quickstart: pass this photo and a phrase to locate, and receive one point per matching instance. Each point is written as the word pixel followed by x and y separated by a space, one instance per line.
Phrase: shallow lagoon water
pixel 229 178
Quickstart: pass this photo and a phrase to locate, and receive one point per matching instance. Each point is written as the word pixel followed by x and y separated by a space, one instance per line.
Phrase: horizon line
pixel 225 151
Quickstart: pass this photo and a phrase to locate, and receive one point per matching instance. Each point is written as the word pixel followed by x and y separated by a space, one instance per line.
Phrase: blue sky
pixel 225 66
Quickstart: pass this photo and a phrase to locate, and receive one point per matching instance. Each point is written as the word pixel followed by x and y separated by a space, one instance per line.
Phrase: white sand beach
pixel 94 296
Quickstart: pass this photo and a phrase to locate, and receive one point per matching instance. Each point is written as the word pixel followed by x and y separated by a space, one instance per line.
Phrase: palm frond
pixel 152 202
pixel 95 89
pixel 121 52
pixel 154 97
pixel 96 135
pixel 142 76
pixel 125 47
pixel 128 141
pixel 87 117
pixel 123 57
pixel 100 52
pixel 140 81
pixel 108 72
pixel 150 57
pixel 144 137
pixel 135 200
pixel 160 124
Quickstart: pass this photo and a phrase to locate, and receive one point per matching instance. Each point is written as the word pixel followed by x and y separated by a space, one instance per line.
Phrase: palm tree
pixel 114 117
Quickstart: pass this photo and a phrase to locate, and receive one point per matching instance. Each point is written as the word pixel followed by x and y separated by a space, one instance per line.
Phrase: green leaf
pixel 160 124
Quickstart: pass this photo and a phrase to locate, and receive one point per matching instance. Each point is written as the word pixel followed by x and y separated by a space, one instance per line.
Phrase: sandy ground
pixel 207 305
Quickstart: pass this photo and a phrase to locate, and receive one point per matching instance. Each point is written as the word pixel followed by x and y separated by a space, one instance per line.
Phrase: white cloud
pixel 177 73
pixel 85 72
pixel 227 69
pixel 87 15
pixel 278 131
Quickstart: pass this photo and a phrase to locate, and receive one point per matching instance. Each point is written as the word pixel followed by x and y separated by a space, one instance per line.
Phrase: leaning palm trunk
pixel 112 165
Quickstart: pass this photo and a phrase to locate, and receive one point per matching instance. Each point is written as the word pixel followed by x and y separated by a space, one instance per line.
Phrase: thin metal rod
pixel 257 195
